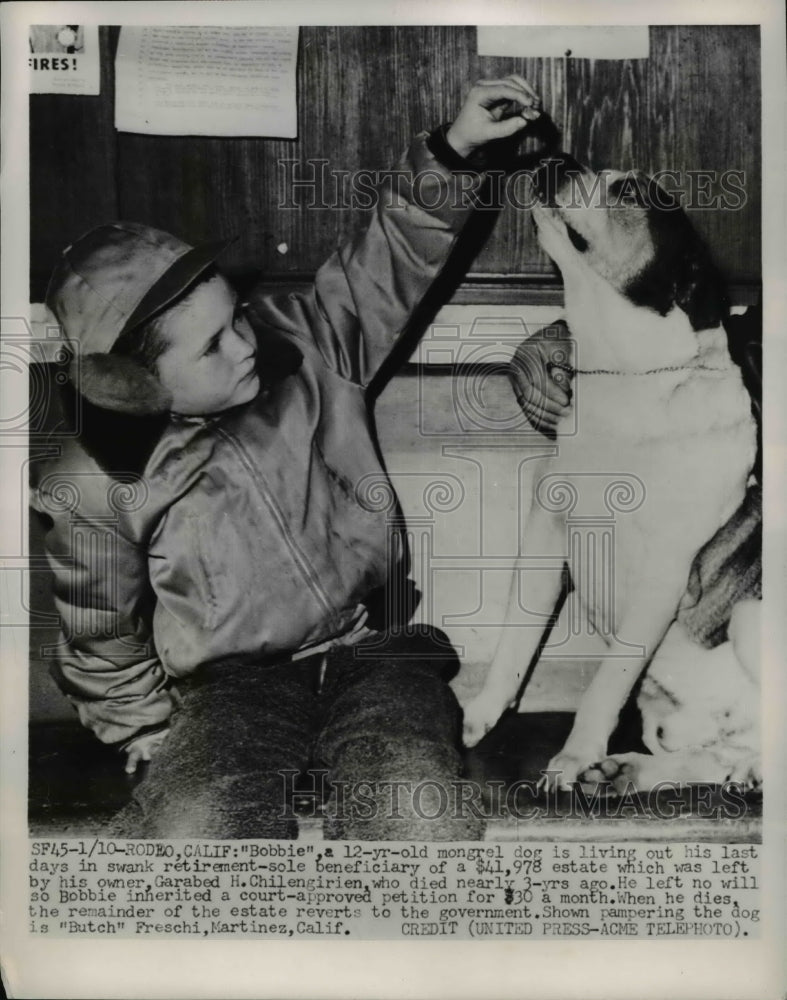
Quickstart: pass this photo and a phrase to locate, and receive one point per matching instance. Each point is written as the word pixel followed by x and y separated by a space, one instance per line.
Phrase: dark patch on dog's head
pixel 681 271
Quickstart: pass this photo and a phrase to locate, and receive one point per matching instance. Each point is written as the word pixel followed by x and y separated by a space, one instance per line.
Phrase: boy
pixel 244 542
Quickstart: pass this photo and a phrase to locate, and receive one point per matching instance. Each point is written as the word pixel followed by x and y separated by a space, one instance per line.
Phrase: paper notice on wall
pixel 64 59
pixel 580 42
pixel 204 80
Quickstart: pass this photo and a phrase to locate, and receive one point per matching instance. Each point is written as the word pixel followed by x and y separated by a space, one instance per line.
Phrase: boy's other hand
pixel 539 378
pixel 494 109
pixel 359 631
pixel 143 748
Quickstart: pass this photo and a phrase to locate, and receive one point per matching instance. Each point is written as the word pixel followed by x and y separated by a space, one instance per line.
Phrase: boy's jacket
pixel 255 533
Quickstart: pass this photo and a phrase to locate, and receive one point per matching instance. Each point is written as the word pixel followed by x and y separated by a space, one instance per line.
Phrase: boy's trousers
pixel 379 737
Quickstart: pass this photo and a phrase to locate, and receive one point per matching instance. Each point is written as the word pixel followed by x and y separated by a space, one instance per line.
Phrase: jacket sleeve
pixel 364 295
pixel 107 663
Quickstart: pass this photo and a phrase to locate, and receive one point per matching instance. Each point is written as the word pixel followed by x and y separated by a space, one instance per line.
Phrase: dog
pixel 659 400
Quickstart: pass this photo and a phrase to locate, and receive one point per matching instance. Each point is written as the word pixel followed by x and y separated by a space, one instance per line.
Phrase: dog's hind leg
pixel 542 564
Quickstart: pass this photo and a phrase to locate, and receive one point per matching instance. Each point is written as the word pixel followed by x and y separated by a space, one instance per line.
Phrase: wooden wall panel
pixel 72 169
pixel 362 92
pixel 717 107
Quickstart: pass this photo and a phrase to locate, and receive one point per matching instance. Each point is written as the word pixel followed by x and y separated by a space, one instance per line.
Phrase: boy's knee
pixel 398 711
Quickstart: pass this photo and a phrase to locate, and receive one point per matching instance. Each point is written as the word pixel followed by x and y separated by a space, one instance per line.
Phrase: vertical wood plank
pixel 72 169
pixel 716 103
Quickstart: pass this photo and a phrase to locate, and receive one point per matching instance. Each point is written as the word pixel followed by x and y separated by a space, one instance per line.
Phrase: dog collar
pixel 571 371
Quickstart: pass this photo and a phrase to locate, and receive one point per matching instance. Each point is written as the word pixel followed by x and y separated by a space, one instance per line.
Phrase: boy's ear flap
pixel 116 382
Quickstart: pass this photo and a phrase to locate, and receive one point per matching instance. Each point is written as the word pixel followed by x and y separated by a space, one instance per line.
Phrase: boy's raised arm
pixel 365 294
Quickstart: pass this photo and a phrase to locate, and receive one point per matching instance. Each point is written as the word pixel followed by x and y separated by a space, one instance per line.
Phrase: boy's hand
pixel 494 109
pixel 542 389
pixel 143 748
pixel 359 632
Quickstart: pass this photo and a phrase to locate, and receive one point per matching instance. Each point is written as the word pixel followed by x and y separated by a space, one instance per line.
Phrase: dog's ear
pixel 690 282
pixel 116 382
pixel 680 272
pixel 653 287
pixel 699 290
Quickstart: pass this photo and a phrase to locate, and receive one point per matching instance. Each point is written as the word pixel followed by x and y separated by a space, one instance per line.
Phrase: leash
pixel 571 371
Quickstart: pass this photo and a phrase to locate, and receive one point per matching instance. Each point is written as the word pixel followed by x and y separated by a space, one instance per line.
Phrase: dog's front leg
pixel 645 623
pixel 517 644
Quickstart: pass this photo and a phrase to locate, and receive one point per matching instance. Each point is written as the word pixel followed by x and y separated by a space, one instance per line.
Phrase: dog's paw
pixel 480 715
pixel 563 771
pixel 622 773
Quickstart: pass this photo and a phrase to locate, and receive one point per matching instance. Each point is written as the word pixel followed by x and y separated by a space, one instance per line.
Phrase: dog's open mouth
pixel 578 241
pixel 552 215
pixel 553 177
pixel 548 217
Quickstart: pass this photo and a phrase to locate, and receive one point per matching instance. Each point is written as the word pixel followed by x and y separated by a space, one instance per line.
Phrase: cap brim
pixel 175 280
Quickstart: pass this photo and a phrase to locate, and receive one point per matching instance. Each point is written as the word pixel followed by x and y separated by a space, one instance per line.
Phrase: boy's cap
pixel 116 276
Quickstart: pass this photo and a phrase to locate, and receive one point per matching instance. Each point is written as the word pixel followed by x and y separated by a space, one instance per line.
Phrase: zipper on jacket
pixel 298 557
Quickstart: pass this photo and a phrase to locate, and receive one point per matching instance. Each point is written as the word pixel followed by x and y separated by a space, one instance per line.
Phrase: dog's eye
pixel 578 241
pixel 625 193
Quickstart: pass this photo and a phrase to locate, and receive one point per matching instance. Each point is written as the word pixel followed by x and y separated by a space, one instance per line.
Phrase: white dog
pixel 657 398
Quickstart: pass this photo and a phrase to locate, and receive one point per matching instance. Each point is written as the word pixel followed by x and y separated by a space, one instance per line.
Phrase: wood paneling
pixel 72 169
pixel 362 92
pixel 705 109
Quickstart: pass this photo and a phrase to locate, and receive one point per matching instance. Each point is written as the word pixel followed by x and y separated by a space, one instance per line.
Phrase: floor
pixel 76 784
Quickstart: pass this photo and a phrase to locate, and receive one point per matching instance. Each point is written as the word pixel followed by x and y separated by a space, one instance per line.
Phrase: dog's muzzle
pixel 553 174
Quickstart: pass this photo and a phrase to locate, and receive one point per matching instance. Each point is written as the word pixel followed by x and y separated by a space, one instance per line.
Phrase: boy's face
pixel 209 363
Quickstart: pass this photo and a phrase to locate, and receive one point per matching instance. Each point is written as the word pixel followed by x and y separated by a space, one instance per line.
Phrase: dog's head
pixel 631 232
